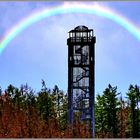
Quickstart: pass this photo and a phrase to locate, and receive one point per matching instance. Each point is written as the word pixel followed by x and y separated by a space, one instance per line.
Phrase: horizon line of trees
pixel 27 114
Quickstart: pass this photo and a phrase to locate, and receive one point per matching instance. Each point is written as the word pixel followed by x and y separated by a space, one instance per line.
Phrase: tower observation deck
pixel 81 79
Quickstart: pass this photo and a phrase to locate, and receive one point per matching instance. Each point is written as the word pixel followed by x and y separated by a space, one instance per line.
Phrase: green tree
pixel 44 103
pixel 133 96
pixel 100 116
pixel 106 108
pixel 111 107
pixel 123 118
pixel 15 95
pixel 60 106
pixel 64 113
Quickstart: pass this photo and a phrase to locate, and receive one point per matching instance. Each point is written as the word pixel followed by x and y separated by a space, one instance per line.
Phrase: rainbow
pixel 69 7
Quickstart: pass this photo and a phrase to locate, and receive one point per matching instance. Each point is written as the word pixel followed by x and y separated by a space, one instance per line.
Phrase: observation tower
pixel 81 76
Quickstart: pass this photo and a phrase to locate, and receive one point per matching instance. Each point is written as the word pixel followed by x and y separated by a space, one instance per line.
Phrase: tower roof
pixel 81 28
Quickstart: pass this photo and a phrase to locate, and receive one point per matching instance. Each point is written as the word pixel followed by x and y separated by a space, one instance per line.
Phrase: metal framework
pixel 81 79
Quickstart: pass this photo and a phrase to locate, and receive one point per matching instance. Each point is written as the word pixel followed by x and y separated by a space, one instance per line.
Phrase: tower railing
pixel 80 39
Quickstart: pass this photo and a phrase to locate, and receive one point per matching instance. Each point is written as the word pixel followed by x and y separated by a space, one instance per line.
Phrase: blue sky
pixel 40 51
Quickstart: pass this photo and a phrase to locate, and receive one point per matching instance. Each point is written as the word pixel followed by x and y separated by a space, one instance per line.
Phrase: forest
pixel 25 113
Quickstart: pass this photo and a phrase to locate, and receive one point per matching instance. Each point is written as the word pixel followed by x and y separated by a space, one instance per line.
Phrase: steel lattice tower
pixel 81 79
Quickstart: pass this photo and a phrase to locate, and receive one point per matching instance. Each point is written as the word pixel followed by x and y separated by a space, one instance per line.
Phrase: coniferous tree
pixel 26 114
pixel 123 118
pixel 44 103
pixel 100 116
pixel 106 108
pixel 64 113
pixel 111 108
pixel 60 106
pixel 133 96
